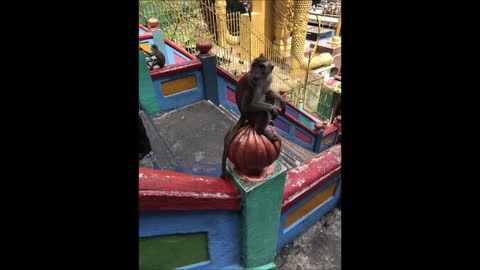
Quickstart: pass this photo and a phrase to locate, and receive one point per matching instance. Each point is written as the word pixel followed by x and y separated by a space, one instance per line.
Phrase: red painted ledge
pixel 227 75
pixel 144 27
pixel 310 175
pixel 168 190
pixel 175 68
pixel 329 129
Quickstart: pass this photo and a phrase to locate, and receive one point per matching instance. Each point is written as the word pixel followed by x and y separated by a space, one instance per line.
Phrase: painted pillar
pixel 157 35
pixel 209 71
pixel 318 139
pixel 147 96
pixel 261 205
pixel 338 122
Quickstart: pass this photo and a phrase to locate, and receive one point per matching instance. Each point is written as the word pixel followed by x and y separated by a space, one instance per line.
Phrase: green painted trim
pixel 148 99
pixel 261 205
pixel 170 251
pixel 268 266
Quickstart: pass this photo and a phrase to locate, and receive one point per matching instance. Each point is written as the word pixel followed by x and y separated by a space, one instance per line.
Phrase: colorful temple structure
pixel 190 218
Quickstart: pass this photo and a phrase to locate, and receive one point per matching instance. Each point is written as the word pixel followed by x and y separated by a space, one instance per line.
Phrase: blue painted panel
pixel 293 113
pixel 286 235
pixel 222 95
pixel 169 54
pixel 140 31
pixel 291 133
pixel 327 145
pixel 222 227
pixel 180 99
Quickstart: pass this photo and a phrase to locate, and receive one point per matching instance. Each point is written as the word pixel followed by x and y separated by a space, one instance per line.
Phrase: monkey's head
pixel 154 47
pixel 261 68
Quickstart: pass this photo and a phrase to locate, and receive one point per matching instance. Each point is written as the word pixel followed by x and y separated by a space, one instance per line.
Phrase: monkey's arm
pixel 258 105
pixel 274 95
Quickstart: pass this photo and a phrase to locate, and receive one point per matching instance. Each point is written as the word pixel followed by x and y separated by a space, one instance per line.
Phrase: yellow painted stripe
pixel 310 204
pixel 326 139
pixel 145 46
pixel 179 85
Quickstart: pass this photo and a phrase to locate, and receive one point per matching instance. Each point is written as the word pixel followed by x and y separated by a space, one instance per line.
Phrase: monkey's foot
pixel 270 135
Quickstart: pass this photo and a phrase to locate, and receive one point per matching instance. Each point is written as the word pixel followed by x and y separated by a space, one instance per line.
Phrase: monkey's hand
pixel 283 106
pixel 274 113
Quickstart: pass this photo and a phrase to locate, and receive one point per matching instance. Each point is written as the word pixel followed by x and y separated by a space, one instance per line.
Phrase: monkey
pixel 255 100
pixel 160 57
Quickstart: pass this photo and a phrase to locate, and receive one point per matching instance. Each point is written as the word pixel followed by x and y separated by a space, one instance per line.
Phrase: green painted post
pixel 260 218
pixel 148 99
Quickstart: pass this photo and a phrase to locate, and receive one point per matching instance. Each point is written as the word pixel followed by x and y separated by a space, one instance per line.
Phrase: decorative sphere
pixel 204 46
pixel 319 126
pixel 152 22
pixel 251 153
pixel 338 119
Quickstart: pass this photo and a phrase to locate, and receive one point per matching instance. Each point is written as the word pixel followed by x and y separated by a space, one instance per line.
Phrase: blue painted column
pixel 318 139
pixel 209 74
pixel 157 35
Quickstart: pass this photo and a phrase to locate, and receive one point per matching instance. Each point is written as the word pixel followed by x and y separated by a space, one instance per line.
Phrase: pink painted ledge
pixel 311 174
pixel 175 68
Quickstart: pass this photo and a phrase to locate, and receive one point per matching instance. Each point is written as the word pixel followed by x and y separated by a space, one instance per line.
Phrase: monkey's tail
pixel 229 139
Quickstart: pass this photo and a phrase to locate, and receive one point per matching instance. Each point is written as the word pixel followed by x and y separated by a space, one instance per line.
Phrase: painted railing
pixel 185 82
pixel 178 85
pixel 205 211
pixel 173 53
pixel 296 125
pixel 312 189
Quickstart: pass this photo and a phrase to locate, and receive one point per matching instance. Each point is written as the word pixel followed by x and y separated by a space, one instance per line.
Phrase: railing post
pixel 338 122
pixel 260 177
pixel 157 35
pixel 209 71
pixel 319 127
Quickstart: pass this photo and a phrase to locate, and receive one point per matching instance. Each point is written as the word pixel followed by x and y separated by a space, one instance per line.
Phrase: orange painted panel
pixel 310 204
pixel 145 46
pixel 179 85
pixel 326 139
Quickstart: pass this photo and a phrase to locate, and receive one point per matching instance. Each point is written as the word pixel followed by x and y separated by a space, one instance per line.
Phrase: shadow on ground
pixel 317 248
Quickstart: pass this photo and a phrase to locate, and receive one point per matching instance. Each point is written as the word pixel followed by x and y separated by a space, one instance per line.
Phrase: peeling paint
pixel 305 189
pixel 300 168
pixel 299 183
pixel 185 194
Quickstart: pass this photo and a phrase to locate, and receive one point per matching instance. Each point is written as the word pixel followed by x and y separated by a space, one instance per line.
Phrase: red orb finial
pixel 253 155
pixel 153 23
pixel 319 126
pixel 338 120
pixel 204 46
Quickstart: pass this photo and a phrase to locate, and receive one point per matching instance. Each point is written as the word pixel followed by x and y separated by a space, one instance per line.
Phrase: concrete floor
pixel 317 248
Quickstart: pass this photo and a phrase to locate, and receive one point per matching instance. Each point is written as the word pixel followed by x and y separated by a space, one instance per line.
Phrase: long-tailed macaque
pixel 255 100
pixel 160 57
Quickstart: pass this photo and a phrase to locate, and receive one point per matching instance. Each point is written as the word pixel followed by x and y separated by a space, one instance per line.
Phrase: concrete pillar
pixel 261 205
pixel 209 71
